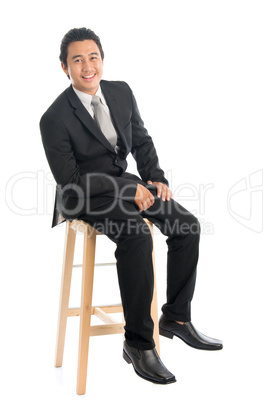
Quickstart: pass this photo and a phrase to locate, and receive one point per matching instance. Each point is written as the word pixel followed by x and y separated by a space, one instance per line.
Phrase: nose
pixel 87 65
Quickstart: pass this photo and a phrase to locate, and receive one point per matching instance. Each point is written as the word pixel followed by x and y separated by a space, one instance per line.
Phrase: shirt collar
pixel 87 98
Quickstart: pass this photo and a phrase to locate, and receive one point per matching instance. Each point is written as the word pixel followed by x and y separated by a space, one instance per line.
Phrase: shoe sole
pixel 129 361
pixel 170 335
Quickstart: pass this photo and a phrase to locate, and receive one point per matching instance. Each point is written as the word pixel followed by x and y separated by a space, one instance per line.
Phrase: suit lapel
pixel 83 115
pixel 115 112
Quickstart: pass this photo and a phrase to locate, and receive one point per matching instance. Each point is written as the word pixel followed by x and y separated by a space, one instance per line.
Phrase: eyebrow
pixel 90 54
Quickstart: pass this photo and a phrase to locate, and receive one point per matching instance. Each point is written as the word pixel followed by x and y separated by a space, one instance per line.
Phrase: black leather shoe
pixel 188 334
pixel 147 365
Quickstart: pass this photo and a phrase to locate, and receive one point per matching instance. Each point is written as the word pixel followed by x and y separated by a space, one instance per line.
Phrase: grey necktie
pixel 103 120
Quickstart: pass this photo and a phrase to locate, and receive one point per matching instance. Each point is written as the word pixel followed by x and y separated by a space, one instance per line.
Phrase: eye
pixel 78 60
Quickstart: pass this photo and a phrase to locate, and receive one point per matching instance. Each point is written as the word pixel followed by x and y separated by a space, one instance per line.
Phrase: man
pixel 87 134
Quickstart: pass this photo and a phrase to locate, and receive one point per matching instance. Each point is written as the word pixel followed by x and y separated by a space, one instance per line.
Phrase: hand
pixel 144 199
pixel 162 190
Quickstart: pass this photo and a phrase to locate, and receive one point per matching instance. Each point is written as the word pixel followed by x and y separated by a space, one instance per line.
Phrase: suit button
pixel 116 160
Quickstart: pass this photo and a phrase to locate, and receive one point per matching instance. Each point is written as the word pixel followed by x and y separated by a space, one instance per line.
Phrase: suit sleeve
pixel 63 165
pixel 143 149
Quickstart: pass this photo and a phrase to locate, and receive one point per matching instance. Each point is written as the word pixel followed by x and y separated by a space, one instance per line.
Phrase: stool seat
pixel 86 310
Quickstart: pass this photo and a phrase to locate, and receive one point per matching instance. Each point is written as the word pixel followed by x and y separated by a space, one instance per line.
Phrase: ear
pixel 65 69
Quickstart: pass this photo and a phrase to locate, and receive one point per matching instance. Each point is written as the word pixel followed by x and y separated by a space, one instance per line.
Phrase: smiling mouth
pixel 88 77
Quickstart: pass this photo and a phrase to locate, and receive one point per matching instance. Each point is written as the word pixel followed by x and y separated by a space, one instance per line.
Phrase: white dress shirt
pixel 86 100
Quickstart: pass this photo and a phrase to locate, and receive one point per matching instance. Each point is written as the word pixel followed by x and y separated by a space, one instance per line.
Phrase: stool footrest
pixel 108 329
pixel 117 308
pixel 111 326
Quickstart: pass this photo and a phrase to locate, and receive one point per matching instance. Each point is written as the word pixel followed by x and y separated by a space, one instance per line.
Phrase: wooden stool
pixel 111 326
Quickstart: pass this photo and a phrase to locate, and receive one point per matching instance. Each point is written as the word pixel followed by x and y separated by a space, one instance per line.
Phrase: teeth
pixel 89 76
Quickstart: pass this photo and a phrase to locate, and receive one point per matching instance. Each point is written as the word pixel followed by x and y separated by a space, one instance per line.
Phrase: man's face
pixel 84 66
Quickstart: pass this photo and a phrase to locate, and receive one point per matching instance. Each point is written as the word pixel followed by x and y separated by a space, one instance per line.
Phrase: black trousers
pixel 124 225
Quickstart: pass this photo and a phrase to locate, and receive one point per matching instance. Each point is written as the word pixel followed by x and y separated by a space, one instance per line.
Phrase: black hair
pixel 74 35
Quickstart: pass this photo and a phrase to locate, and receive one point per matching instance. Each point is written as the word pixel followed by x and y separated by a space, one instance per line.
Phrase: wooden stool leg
pixel 86 305
pixel 154 308
pixel 65 292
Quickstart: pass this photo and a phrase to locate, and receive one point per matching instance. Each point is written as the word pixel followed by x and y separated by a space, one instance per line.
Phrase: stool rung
pixel 108 329
pixel 101 264
pixel 111 325
pixel 74 312
pixel 117 308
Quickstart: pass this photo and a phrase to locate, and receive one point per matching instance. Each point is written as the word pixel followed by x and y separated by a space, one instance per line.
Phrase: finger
pixel 151 198
pixel 139 206
pixel 144 206
pixel 149 182
pixel 169 194
pixel 147 204
pixel 149 195
pixel 164 193
pixel 150 202
pixel 159 190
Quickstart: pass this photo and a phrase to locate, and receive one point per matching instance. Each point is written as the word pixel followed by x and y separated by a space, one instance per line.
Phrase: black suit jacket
pixel 85 166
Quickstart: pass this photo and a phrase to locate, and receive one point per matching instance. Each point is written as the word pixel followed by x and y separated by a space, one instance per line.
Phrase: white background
pixel 199 73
